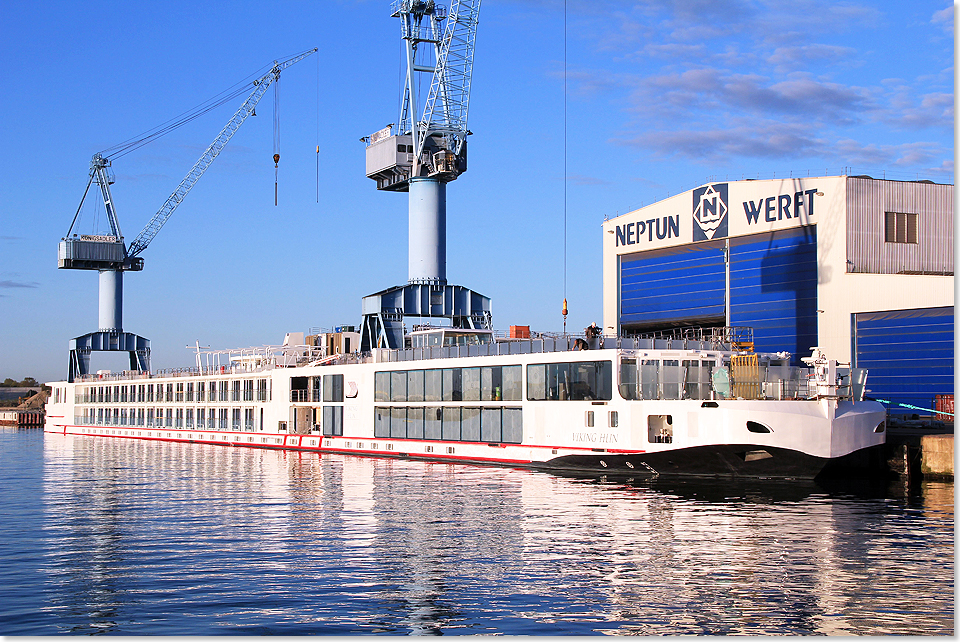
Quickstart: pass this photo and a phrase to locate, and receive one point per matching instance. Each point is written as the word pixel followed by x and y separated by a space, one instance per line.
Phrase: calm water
pixel 140 538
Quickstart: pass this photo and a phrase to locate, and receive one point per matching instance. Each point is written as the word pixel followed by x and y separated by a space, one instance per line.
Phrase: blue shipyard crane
pixel 428 151
pixel 109 255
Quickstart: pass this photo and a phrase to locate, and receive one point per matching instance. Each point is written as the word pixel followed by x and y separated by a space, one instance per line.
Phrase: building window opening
pixel 900 227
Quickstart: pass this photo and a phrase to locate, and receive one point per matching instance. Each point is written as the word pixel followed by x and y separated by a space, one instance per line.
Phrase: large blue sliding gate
pixel 909 355
pixel 773 288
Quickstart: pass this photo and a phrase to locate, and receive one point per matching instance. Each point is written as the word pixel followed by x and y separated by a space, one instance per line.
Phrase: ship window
pixel 398 422
pixel 149 393
pixel 491 427
pixel 512 383
pixel 169 392
pixel 248 418
pixel 755 426
pixel 381 423
pixel 660 429
pixel 180 391
pixel 333 421
pixel 381 386
pixel 201 418
pixel 179 421
pixel 588 419
pixel 628 378
pixel 588 380
pixel 432 419
pixel 471 384
pixel 223 386
pixel 415 423
pixel 415 385
pixel 333 387
pixel 671 375
pixel 512 423
pixel 247 390
pixel 235 392
pixel 614 419
pixel 398 385
pixel 470 424
pixel 491 383
pixel 451 423
pixel 452 384
pixel 649 379
pixel 432 385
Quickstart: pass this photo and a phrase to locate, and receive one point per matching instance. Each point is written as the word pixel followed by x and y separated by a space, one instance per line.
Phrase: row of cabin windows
pixel 487 383
pixel 450 423
pixel 588 380
pixel 199 418
pixel 200 391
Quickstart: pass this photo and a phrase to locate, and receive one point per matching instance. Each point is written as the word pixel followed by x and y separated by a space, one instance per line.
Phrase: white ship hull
pixel 573 411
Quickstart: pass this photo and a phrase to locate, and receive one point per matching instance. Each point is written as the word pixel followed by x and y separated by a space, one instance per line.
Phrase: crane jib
pixel 143 239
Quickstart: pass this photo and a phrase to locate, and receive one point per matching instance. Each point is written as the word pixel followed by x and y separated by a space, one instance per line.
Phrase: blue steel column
pixel 111 300
pixel 427 257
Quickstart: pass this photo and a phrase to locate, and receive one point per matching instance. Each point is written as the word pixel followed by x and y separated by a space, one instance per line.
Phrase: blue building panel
pixel 677 286
pixel 909 355
pixel 773 288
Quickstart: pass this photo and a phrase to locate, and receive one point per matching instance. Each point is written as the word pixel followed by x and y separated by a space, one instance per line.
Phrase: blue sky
pixel 661 96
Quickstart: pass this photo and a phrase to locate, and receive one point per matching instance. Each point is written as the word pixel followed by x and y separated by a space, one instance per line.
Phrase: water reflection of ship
pixel 422 541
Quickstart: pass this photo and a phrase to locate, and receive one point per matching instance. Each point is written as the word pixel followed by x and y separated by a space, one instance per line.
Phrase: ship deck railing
pixel 545 344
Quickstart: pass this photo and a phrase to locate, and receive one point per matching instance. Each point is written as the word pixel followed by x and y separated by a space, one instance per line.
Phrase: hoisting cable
pixel 276 138
pixel 239 89
pixel 564 167
pixel 318 130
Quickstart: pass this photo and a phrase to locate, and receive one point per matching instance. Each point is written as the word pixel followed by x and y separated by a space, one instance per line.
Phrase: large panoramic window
pixel 588 380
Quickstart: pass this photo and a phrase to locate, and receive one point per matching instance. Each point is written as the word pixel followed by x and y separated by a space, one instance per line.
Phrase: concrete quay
pixel 921 451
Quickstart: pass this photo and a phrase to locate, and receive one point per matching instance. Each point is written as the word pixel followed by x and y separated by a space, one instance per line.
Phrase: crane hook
pixel 276 160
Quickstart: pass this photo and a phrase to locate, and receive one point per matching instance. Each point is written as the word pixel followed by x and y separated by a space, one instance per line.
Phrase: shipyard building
pixel 861 267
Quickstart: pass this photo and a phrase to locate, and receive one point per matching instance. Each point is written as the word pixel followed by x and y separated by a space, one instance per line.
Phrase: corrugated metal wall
pixel 867 251
pixel 773 288
pixel 909 355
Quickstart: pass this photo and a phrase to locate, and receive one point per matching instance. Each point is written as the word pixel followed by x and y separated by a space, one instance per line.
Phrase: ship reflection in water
pixel 157 538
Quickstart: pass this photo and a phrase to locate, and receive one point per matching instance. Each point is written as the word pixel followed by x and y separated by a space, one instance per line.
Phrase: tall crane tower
pixel 428 151
pixel 109 255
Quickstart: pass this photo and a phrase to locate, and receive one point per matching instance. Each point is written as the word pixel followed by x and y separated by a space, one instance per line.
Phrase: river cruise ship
pixel 699 404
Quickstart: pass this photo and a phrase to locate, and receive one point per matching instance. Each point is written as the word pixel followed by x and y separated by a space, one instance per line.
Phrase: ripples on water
pixel 146 538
